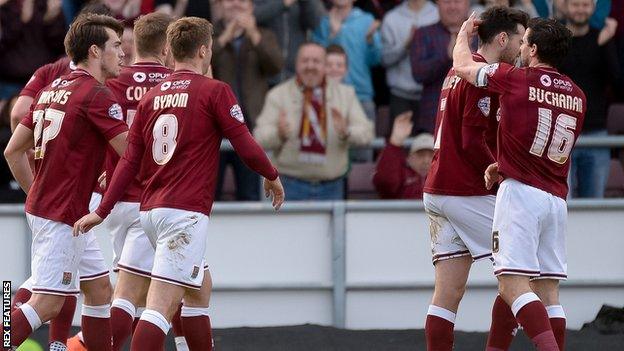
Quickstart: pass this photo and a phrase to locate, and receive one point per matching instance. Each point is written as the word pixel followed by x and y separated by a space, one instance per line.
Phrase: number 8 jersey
pixel 176 136
pixel 542 113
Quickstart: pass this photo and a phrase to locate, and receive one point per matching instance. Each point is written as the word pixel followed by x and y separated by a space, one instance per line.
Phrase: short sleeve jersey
pixel 179 125
pixel 542 113
pixel 46 74
pixel 461 105
pixel 133 82
pixel 72 120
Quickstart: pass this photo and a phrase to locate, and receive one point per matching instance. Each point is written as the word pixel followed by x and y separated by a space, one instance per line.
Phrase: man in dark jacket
pixel 244 56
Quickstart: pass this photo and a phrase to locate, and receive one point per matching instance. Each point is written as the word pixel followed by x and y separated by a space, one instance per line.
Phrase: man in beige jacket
pixel 309 123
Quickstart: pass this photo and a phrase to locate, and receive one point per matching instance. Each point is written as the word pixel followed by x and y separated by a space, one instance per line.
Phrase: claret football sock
pixel 122 316
pixel 178 331
pixel 24 320
pixel 532 315
pixel 197 330
pixel 21 297
pixel 503 328
pixel 61 324
pixel 150 332
pixel 439 329
pixel 558 323
pixel 96 327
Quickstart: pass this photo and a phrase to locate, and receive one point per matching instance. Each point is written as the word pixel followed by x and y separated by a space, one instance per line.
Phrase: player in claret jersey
pixel 70 124
pixel 174 142
pixel 542 113
pixel 133 254
pixel 459 207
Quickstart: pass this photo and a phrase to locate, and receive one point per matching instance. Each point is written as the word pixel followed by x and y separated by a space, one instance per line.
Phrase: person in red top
pixel 459 206
pixel 133 253
pixel 174 142
pixel 70 123
pixel 401 176
pixel 542 112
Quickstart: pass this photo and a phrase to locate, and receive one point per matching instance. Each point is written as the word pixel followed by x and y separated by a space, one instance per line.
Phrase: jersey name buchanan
pixel 560 100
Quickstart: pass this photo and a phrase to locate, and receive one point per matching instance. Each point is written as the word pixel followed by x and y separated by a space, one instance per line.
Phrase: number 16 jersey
pixel 542 113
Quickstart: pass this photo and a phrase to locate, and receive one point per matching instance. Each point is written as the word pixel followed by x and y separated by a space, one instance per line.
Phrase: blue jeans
pixel 589 170
pixel 298 190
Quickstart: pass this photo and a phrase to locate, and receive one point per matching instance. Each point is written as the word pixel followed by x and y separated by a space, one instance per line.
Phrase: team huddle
pixel 513 127
pixel 138 146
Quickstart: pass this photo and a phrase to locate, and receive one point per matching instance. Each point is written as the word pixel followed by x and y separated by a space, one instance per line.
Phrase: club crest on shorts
pixel 67 277
pixel 195 272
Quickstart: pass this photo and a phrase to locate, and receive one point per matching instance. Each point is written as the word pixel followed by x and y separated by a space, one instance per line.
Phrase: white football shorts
pixel 460 225
pixel 55 255
pixel 180 240
pixel 132 250
pixel 529 232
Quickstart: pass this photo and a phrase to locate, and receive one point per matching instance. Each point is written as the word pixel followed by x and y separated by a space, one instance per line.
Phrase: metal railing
pixel 611 141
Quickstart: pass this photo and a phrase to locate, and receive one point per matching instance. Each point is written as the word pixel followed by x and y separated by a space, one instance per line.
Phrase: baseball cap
pixel 423 141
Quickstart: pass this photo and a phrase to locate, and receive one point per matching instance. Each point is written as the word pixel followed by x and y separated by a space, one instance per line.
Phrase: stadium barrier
pixel 357 264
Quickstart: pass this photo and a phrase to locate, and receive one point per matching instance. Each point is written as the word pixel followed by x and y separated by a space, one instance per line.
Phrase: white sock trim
pixel 555 311
pixel 80 337
pixel 522 301
pixel 139 311
pixel 442 313
pixel 125 305
pixel 31 315
pixel 194 311
pixel 156 319
pixel 180 343
pixel 101 311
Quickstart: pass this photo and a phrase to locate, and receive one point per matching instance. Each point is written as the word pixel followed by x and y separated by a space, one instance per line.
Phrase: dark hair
pixel 336 49
pixel 86 30
pixel 95 7
pixel 498 19
pixel 551 38
pixel 150 33
pixel 187 35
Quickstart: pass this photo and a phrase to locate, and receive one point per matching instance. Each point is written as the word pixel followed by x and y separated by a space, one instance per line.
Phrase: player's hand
pixel 274 189
pixel 401 128
pixel 102 180
pixel 492 176
pixel 341 126
pixel 470 26
pixel 283 126
pixel 86 223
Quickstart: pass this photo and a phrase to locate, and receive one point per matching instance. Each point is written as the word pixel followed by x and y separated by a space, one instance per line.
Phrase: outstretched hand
pixel 274 189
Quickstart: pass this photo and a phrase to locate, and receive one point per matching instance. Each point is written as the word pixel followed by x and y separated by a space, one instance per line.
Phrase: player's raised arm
pixel 17 158
pixel 463 63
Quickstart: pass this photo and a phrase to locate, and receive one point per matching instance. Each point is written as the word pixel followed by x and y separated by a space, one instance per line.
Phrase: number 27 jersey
pixel 542 113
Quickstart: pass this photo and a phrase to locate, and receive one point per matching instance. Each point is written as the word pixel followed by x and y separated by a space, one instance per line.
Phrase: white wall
pixel 276 269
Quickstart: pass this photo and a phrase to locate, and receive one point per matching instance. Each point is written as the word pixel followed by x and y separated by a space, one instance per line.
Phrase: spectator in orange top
pixel 401 175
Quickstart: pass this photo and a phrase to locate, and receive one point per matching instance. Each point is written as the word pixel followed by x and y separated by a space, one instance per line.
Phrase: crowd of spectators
pixel 318 80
